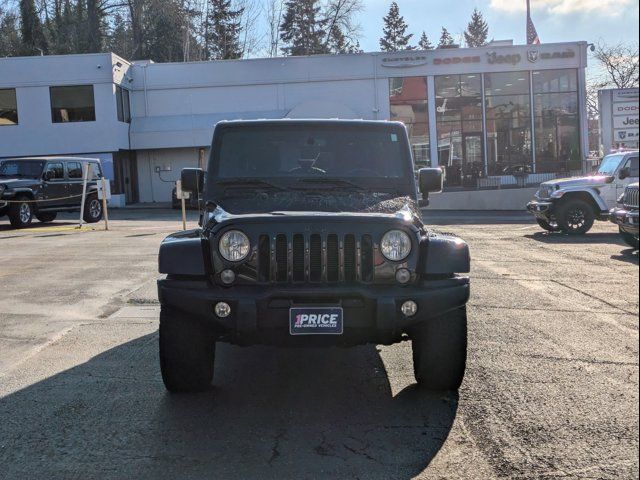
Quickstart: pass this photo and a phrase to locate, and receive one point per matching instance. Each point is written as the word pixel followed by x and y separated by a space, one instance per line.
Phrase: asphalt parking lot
pixel 551 387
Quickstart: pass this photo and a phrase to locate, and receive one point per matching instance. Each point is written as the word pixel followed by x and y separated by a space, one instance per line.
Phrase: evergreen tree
pixel 302 31
pixel 10 43
pixel 31 30
pixel 163 31
pixel 477 30
pixel 425 43
pixel 81 30
pixel 394 38
pixel 446 40
pixel 223 28
pixel 95 26
pixel 120 40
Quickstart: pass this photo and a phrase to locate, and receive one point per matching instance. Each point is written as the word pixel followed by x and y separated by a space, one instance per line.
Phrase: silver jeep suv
pixel 571 205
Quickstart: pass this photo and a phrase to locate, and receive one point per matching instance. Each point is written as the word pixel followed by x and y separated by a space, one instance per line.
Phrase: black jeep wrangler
pixel 42 187
pixel 311 236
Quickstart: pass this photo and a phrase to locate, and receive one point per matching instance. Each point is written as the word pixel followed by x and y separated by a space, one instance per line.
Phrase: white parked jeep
pixel 571 205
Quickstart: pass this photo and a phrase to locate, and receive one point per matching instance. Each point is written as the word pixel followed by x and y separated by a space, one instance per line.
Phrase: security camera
pixel 99 66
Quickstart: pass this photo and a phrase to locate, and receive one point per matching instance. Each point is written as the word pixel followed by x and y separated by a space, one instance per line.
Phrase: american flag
pixel 532 34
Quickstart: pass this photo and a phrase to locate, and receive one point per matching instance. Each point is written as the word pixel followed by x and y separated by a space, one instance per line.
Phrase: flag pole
pixel 526 29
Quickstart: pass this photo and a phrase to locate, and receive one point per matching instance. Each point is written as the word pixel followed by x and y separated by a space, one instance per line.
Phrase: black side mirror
pixel 48 175
pixel 624 173
pixel 192 180
pixel 429 181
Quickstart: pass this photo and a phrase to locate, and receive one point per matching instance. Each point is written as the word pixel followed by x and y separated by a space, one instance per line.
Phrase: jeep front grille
pixel 631 197
pixel 315 257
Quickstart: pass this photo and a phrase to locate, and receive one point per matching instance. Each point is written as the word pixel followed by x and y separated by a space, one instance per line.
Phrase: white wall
pixel 36 134
pixel 154 187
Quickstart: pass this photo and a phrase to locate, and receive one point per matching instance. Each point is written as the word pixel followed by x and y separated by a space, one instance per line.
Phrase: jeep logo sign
pixel 512 59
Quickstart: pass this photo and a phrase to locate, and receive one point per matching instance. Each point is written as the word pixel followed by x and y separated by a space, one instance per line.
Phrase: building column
pixel 431 110
pixel 532 116
pixel 484 128
pixel 583 119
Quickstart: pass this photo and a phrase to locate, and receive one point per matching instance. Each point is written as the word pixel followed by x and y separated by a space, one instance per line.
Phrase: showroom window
pixel 557 128
pixel 72 104
pixel 8 107
pixel 122 104
pixel 508 112
pixel 459 126
pixel 408 104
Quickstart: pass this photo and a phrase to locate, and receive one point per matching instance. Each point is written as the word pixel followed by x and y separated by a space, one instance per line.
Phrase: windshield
pixel 609 165
pixel 21 168
pixel 311 153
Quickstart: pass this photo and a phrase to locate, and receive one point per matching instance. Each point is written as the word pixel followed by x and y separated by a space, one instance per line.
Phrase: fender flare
pixel 181 254
pixel 444 254
pixel 590 192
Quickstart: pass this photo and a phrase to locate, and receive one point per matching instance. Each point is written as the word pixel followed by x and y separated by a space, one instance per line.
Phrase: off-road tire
pixel 575 217
pixel 187 352
pixel 629 239
pixel 21 212
pixel 46 217
pixel 440 351
pixel 92 209
pixel 548 226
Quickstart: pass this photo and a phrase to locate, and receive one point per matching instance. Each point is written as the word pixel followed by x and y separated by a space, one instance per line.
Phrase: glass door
pixel 472 163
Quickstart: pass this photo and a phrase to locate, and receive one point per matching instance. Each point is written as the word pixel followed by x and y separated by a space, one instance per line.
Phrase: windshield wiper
pixel 246 182
pixel 333 181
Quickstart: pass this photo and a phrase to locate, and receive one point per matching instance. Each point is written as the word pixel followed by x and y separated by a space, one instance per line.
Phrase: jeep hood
pixel 317 203
pixel 12 182
pixel 591 181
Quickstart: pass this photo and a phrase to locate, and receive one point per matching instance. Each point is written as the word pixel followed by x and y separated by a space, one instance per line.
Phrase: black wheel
pixel 630 239
pixel 549 226
pixel 46 217
pixel 92 209
pixel 187 351
pixel 575 217
pixel 440 351
pixel 21 212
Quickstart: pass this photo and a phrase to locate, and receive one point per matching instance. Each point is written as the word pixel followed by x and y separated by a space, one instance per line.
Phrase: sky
pixel 611 21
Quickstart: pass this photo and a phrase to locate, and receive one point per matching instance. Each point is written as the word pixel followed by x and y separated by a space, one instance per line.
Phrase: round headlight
pixel 234 245
pixel 395 245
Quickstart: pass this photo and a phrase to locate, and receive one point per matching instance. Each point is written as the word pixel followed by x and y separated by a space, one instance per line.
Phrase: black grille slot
pixel 281 258
pixel 264 258
pixel 333 263
pixel 366 259
pixel 298 258
pixel 350 258
pixel 315 258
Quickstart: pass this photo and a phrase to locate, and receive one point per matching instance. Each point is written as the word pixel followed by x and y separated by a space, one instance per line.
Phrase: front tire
pixel 92 209
pixel 548 226
pixel 575 217
pixel 187 351
pixel 21 213
pixel 440 351
pixel 46 217
pixel 629 239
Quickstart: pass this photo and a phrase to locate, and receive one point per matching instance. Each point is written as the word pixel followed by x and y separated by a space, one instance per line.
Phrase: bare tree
pixel 340 16
pixel 618 65
pixel 273 12
pixel 250 38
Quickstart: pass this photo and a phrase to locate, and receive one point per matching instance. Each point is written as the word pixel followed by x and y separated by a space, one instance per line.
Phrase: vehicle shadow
pixel 273 413
pixel 589 238
pixel 629 255
pixel 6 227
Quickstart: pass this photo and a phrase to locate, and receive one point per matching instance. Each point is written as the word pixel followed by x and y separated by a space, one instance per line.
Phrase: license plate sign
pixel 315 321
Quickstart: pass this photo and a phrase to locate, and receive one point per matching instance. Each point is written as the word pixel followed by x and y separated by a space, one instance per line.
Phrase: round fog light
pixel 222 309
pixel 227 276
pixel 403 275
pixel 409 308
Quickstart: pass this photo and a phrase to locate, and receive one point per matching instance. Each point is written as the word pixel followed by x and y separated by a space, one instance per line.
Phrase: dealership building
pixel 494 117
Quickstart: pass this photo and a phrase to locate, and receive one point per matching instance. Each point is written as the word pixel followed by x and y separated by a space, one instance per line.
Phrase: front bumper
pixel 260 314
pixel 540 208
pixel 627 220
